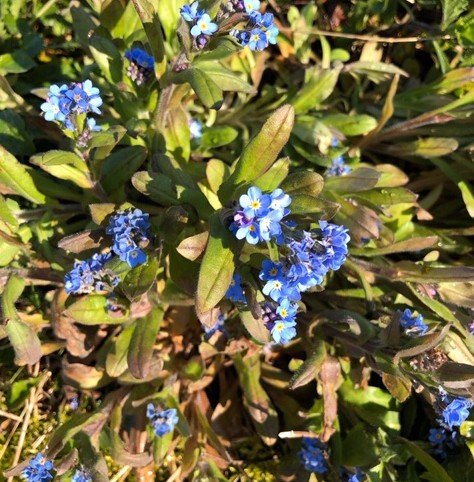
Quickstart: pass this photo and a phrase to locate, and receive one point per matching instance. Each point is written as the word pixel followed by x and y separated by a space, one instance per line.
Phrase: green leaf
pixel 158 187
pixel 217 136
pixel 429 147
pixel 217 266
pixel 316 90
pixel 18 392
pixel 303 182
pixel 92 310
pixel 140 279
pixel 227 80
pixel 432 466
pixel 399 387
pixel 64 166
pixel 303 204
pixel 452 9
pixel 258 403
pixel 119 167
pixel 116 360
pixel 359 448
pixel 15 63
pixel 351 125
pixel 220 48
pixel 309 370
pixel 15 177
pixel 209 93
pixel 255 327
pixel 409 245
pixel 23 338
pixel 274 176
pixel 262 151
pixel 103 142
pixel 361 179
pixel 140 353
pixel 13 134
pixel 177 135
pixel 216 172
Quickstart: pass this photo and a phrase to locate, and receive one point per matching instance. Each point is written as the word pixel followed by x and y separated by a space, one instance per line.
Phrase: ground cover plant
pixel 236 240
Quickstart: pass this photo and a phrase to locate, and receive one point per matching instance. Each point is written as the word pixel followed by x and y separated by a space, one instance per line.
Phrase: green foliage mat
pixel 171 358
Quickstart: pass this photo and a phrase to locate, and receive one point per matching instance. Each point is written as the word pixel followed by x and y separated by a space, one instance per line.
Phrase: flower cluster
pixel 260 215
pixel 39 469
pixel 130 230
pixel 312 455
pixel 311 255
pixel 260 29
pixel 81 475
pixel 413 324
pixel 308 257
pixel 338 167
pixel 90 275
pixel 163 421
pixel 235 293
pixel 141 65
pixel 202 27
pixel 66 102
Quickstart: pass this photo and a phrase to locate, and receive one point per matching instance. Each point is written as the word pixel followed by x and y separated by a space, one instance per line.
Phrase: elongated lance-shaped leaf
pixel 259 405
pixel 261 152
pixel 140 352
pixel 23 338
pixel 217 266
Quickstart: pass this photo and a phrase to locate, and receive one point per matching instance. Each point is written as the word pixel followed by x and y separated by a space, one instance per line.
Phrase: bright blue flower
pixel 92 125
pixel 191 12
pixel 312 455
pixel 250 233
pixel 280 201
pixel 38 470
pixel 204 26
pixel 281 288
pixel 272 34
pixel 456 412
pixel 283 331
pixel 162 421
pixel 140 57
pixel 93 94
pixel 271 270
pixel 251 5
pixel 413 325
pixel 269 227
pixel 258 40
pixel 255 203
pixel 135 257
pixel 338 167
pixel 81 475
pixel 437 436
pixel 287 310
pixel 52 110
pixel 141 65
pixel 195 128
pixel 235 293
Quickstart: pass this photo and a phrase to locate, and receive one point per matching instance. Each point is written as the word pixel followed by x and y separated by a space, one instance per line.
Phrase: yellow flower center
pixel 283 313
pixel 273 272
pixel 279 326
pixel 255 204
